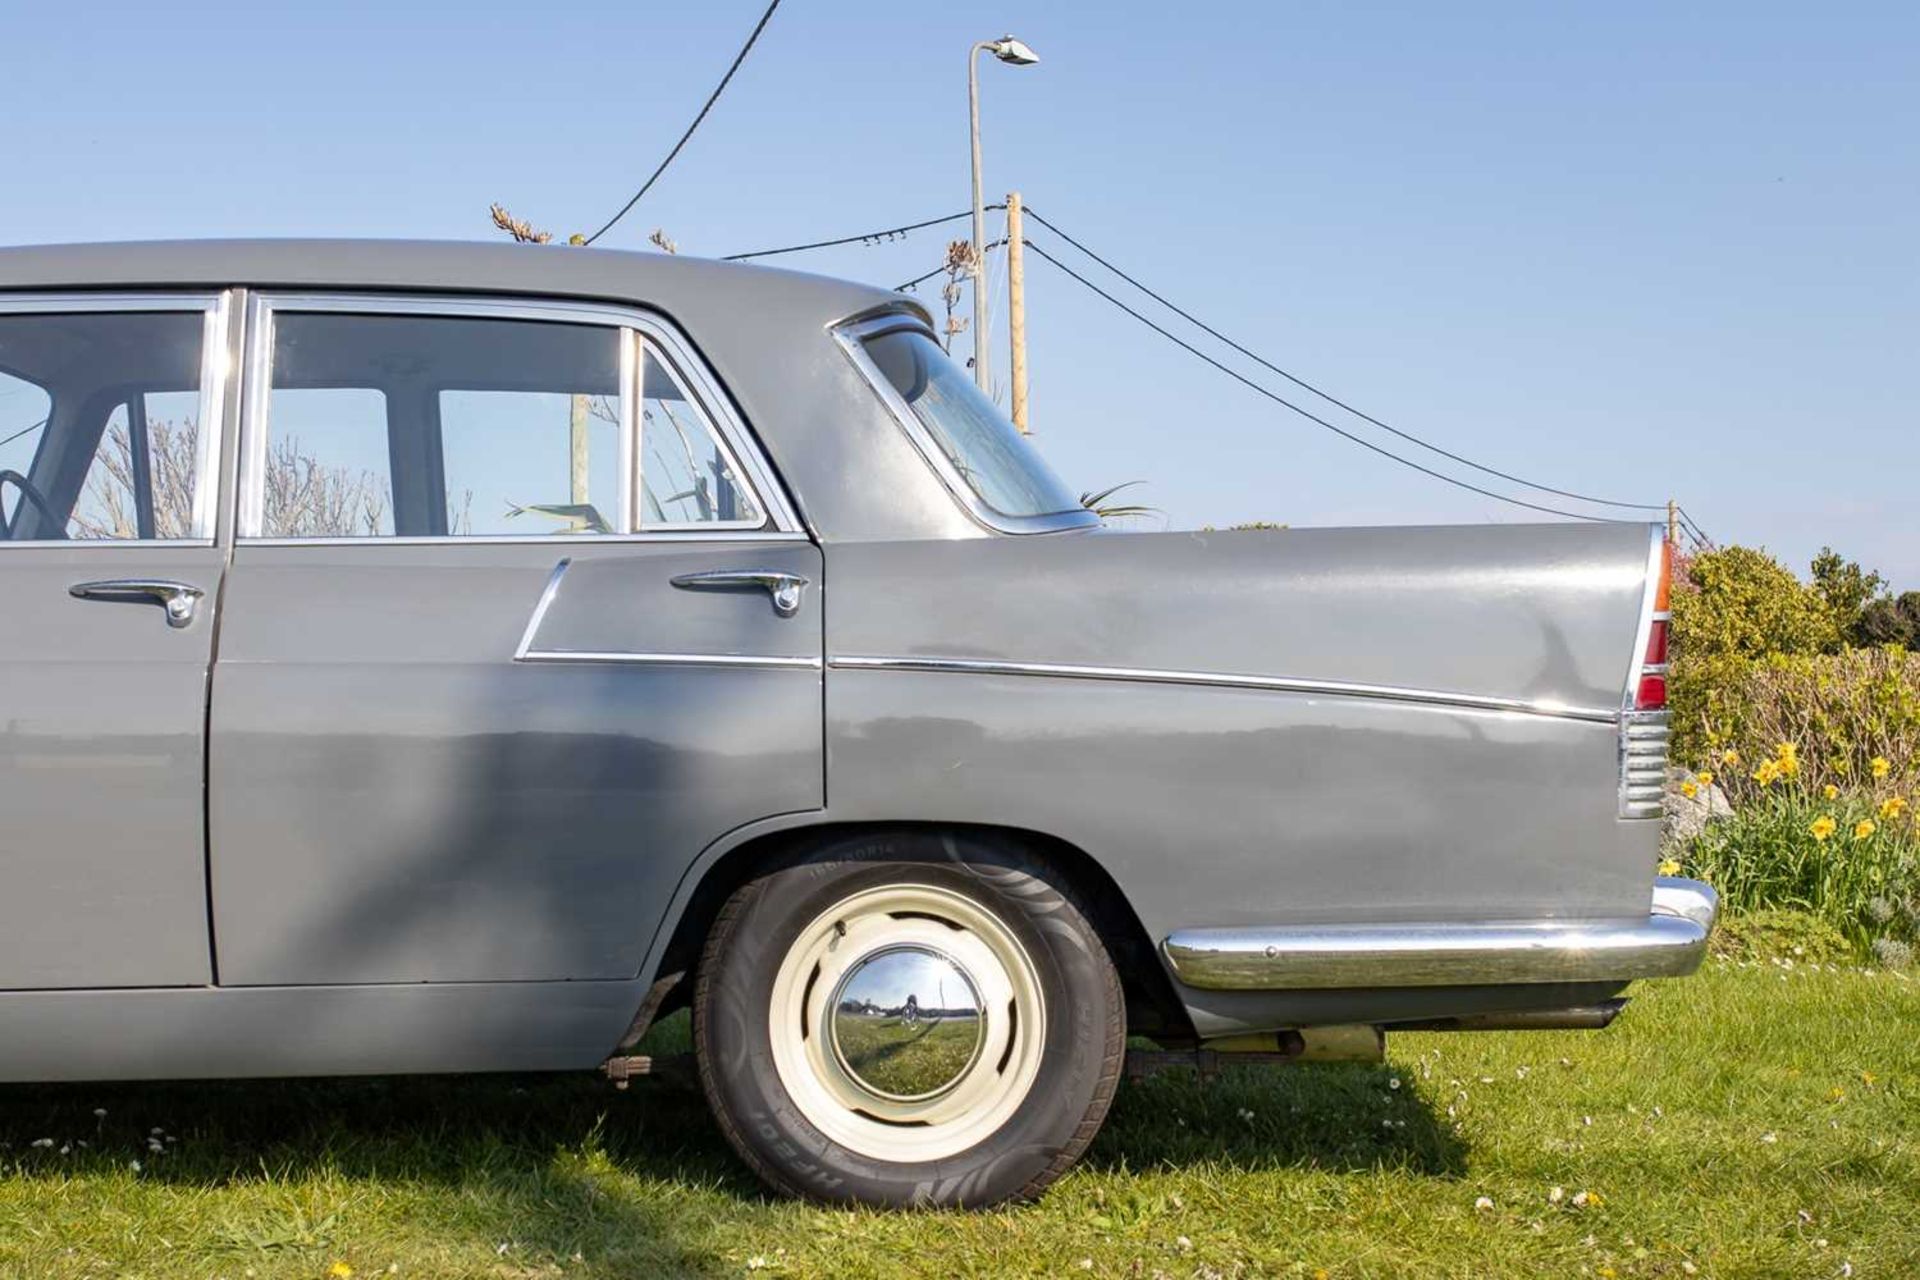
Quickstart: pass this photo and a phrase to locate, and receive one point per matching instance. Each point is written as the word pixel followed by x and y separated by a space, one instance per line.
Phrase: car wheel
pixel 910 1019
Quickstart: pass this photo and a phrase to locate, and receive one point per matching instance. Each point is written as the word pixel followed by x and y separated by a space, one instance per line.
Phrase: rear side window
pixel 979 442
pixel 101 437
pixel 427 425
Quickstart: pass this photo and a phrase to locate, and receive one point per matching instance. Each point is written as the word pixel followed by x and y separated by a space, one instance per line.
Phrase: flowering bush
pixel 1847 857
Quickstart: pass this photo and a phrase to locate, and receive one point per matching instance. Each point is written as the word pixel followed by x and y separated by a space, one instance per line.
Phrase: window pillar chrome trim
pixel 1668 942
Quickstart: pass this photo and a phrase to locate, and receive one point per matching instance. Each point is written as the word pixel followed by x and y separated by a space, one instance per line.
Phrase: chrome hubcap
pixel 907 1023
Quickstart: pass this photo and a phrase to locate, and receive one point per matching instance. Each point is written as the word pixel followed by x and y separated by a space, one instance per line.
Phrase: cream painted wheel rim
pixel 841 972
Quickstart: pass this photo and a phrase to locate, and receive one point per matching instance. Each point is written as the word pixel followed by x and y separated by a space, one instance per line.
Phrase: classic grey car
pixel 437 658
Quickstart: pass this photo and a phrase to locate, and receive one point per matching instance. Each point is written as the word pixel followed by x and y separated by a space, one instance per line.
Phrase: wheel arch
pixel 1153 1008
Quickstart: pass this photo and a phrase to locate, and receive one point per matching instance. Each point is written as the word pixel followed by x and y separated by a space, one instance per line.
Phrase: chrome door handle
pixel 179 599
pixel 785 588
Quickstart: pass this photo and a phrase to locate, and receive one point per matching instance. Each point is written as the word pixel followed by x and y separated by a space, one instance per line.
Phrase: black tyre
pixel 916 1018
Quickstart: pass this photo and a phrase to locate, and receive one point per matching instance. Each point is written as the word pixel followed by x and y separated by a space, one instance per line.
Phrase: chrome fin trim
pixel 1644 736
pixel 1227 680
pixel 1669 942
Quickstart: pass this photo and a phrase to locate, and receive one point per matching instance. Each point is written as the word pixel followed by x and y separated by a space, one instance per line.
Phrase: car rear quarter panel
pixel 1226 806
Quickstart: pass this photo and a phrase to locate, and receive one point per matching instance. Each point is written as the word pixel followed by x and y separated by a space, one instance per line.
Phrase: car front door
pixel 110 412
pixel 518 622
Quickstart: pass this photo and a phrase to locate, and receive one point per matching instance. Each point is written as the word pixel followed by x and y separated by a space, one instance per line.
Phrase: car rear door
pixel 110 416
pixel 518 622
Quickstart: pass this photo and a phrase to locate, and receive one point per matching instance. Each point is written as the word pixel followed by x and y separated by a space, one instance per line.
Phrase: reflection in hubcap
pixel 907 1023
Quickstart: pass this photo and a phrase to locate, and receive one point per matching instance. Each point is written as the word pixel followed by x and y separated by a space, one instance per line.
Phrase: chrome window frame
pixel 215 370
pixel 853 335
pixel 635 327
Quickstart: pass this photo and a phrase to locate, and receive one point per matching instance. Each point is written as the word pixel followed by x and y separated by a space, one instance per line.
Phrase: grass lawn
pixel 1747 1122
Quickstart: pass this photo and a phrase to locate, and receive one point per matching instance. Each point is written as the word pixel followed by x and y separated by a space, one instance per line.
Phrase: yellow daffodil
pixel 1881 767
pixel 1670 866
pixel 1823 827
pixel 1689 789
pixel 1892 808
pixel 1830 791
pixel 1864 828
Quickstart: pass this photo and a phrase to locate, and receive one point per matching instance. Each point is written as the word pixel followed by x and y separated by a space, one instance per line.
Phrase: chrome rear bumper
pixel 1669 943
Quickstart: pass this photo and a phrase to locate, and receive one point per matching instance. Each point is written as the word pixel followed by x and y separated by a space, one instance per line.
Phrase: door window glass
pixel 100 433
pixel 437 426
pixel 140 484
pixel 326 473
pixel 687 476
pixel 530 462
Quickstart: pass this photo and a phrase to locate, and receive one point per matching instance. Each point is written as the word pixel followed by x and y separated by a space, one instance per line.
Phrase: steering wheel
pixel 32 495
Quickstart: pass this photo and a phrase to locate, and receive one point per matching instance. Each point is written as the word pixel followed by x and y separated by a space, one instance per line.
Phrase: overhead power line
pixel 43 422
pixel 940 271
pixel 875 237
pixel 1308 414
pixel 870 237
pixel 1688 522
pixel 1331 399
pixel 712 98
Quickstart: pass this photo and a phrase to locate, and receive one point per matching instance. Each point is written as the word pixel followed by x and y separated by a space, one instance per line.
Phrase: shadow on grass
pixel 1336 1117
pixel 630 1182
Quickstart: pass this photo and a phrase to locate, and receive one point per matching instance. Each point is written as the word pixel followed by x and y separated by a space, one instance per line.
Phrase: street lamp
pixel 1014 53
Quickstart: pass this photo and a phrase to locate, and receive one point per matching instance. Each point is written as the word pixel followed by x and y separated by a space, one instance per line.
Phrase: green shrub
pixel 1850 862
pixel 1741 601
pixel 1852 719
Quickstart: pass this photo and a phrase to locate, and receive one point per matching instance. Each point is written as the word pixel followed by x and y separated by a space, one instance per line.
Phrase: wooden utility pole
pixel 1017 308
pixel 577 452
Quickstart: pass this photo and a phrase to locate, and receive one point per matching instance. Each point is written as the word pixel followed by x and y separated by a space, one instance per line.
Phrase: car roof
pixel 691 290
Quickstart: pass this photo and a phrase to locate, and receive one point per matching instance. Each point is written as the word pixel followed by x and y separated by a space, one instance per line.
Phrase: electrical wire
pixel 712 98
pixel 876 237
pixel 940 271
pixel 1687 522
pixel 870 237
pixel 1308 414
pixel 1330 399
pixel 16 435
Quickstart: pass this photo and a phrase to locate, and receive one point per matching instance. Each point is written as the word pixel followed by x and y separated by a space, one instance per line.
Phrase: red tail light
pixel 1650 692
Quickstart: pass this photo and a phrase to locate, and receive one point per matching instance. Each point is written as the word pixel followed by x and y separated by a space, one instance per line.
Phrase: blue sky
pixel 1633 250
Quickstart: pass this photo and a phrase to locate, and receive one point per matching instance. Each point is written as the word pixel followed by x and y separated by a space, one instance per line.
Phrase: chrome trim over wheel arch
pixel 1669 943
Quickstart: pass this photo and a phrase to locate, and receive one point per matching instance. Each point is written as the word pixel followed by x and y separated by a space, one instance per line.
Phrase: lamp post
pixel 1014 53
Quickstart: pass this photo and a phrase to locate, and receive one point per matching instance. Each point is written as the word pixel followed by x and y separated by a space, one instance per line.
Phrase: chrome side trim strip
pixel 539 615
pixel 1225 680
pixel 667 659
pixel 1669 942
